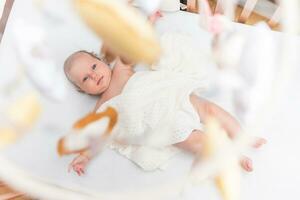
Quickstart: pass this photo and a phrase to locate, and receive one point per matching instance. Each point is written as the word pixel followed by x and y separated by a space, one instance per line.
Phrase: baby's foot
pixel 258 142
pixel 246 164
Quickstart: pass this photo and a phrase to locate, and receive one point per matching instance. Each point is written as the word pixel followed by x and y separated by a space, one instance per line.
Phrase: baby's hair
pixel 69 63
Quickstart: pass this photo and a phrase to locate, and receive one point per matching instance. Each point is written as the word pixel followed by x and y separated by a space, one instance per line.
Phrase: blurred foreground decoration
pixel 18 118
pixel 222 156
pixel 235 80
pixel 228 179
pixel 122 29
pixel 31 46
pixel 91 132
pixel 227 48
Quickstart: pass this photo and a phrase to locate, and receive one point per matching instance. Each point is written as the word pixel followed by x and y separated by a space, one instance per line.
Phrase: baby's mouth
pixel 99 80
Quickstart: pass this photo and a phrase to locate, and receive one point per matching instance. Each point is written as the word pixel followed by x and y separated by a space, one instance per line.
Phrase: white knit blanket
pixel 154 107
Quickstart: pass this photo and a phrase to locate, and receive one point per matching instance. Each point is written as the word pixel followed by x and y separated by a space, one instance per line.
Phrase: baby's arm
pixel 81 161
pixel 109 56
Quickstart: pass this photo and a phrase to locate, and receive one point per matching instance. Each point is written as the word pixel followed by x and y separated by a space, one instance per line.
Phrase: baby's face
pixel 90 74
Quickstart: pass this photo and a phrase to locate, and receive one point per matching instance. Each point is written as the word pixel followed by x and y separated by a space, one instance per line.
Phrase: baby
pixel 93 76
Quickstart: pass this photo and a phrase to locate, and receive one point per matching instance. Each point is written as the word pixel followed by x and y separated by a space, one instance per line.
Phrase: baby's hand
pixel 78 164
pixel 155 16
pixel 107 53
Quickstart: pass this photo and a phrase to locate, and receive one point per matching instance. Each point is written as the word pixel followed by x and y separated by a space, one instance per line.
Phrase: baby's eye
pixel 84 79
pixel 94 66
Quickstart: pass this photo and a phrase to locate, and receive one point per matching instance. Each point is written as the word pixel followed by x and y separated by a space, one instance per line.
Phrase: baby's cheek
pixel 86 87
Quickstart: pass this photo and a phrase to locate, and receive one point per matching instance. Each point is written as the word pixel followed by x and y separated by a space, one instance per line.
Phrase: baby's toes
pixel 246 164
pixel 259 142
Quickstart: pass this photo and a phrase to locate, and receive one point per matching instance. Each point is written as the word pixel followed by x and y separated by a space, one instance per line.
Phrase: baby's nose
pixel 93 75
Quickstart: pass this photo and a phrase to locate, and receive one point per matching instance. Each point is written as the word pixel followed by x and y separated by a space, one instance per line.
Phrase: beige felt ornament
pixel 125 31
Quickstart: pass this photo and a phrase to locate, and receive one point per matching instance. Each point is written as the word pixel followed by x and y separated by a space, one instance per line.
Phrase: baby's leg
pixel 193 143
pixel 205 109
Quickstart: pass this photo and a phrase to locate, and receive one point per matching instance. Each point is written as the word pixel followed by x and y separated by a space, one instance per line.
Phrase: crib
pixel 245 11
pixel 243 14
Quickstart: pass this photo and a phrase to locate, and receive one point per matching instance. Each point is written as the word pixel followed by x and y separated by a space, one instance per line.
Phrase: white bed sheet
pixel 276 173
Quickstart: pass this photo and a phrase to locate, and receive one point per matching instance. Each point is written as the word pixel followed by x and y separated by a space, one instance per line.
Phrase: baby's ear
pixel 79 90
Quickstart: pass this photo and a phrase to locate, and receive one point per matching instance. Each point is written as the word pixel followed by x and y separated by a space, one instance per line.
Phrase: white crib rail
pixel 275 18
pixel 6 11
pixel 248 9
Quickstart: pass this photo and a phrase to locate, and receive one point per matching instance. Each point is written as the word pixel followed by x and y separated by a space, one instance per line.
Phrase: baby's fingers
pixel 71 165
pixel 81 170
pixel 77 170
